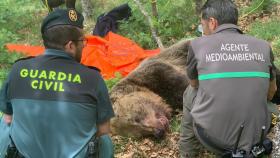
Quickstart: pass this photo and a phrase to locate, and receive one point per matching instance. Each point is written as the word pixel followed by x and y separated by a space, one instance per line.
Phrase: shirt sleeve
pixel 272 68
pixel 191 64
pixel 104 106
pixel 5 104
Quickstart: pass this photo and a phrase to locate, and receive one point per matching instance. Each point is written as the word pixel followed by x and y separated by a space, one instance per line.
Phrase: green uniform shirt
pixel 56 104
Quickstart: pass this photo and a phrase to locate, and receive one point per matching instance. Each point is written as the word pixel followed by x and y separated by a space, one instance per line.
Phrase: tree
pixel 154 8
pixel 198 5
pixel 152 27
pixel 87 9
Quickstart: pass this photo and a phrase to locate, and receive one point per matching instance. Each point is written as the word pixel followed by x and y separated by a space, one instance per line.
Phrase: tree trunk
pixel 198 5
pixel 87 9
pixel 154 9
pixel 152 27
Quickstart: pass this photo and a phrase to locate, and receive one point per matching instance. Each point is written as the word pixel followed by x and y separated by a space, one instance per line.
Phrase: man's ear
pixel 213 24
pixel 70 48
pixel 69 45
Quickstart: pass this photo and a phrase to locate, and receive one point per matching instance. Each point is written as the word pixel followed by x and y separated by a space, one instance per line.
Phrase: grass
pixel 175 124
pixel 269 31
pixel 255 6
pixel 111 82
pixel 18 25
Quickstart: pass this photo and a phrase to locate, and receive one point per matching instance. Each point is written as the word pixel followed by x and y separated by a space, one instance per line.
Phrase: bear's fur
pixel 276 98
pixel 143 100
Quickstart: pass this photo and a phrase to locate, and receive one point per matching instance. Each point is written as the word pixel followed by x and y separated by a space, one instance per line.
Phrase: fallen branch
pixel 152 27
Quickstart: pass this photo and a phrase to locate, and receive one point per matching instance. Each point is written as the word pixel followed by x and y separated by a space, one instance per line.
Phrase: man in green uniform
pixel 232 78
pixel 59 108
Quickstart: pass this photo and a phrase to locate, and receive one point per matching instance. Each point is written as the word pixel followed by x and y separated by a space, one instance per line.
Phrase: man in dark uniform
pixel 232 78
pixel 58 106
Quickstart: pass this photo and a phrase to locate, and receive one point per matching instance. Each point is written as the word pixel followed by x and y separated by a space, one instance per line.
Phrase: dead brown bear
pixel 276 98
pixel 143 100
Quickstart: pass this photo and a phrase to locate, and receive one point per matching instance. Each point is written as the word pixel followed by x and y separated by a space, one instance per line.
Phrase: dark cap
pixel 62 17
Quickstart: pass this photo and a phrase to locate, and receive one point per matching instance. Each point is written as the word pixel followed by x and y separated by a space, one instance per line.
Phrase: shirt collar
pixel 56 52
pixel 228 27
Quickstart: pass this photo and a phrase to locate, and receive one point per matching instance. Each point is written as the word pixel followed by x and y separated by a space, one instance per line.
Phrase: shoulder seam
pixel 25 58
pixel 94 68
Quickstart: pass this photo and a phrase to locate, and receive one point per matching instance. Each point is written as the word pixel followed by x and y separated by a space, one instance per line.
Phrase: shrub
pixel 175 22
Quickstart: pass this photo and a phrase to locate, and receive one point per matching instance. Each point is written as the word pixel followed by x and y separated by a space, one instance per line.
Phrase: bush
pixel 17 16
pixel 267 30
pixel 276 50
pixel 174 23
pixel 258 6
pixel 18 25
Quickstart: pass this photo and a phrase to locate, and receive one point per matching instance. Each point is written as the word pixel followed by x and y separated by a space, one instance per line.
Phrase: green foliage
pixel 18 25
pixel 17 19
pixel 111 82
pixel 174 23
pixel 276 44
pixel 267 30
pixel 7 36
pixel 7 59
pixel 175 124
pixel 257 6
pixel 276 50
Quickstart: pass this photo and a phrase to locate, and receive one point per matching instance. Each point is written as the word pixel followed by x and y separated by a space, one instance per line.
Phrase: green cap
pixel 62 17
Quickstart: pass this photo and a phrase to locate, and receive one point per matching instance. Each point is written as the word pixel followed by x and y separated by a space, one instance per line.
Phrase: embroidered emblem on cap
pixel 73 15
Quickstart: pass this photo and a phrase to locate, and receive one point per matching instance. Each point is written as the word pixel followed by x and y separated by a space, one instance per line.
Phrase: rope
pixel 253 9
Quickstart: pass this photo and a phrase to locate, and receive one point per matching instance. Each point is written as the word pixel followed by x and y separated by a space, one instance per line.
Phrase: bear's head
pixel 141 114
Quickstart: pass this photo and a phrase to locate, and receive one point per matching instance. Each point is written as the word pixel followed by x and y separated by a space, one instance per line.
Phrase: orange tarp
pixel 111 54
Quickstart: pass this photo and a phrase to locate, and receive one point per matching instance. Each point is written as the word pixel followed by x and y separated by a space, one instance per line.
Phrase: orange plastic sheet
pixel 111 54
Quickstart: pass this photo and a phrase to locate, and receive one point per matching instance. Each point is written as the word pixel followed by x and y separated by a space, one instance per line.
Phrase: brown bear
pixel 143 100
pixel 276 97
